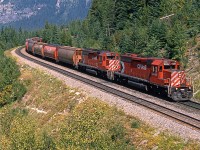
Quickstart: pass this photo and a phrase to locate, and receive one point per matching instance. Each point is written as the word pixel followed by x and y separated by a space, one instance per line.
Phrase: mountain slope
pixel 148 28
pixel 31 14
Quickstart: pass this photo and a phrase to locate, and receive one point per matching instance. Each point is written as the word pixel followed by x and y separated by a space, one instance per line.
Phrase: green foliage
pixel 135 124
pixel 9 37
pixel 136 26
pixel 55 35
pixel 19 131
pixel 93 126
pixel 47 142
pixel 10 88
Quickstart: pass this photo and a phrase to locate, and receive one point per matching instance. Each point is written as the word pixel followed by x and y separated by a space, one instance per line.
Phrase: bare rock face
pixel 32 14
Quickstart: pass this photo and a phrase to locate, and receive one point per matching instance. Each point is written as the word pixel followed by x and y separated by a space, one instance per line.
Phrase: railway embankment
pixel 56 113
pixel 193 68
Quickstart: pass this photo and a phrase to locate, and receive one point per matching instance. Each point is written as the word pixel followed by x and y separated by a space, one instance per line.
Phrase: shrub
pixel 135 124
pixel 93 125
pixel 10 88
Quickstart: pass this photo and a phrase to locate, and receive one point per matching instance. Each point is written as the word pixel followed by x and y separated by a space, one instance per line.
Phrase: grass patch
pixel 135 124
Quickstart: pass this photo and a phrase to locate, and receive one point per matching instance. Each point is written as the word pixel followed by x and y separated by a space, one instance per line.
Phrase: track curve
pixel 170 113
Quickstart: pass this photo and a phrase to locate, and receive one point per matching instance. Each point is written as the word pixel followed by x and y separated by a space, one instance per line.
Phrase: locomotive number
pixel 140 66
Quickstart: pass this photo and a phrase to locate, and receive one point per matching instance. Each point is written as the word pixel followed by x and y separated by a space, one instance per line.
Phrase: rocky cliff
pixel 32 14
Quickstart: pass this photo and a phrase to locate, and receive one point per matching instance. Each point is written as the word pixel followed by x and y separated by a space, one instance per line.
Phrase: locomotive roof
pixel 94 50
pixel 99 52
pixel 154 60
pixel 157 62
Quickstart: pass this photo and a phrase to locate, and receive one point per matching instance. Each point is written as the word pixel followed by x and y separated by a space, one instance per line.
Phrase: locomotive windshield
pixel 111 57
pixel 169 67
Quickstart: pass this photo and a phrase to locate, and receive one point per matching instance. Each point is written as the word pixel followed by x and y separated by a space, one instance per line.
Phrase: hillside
pixel 67 118
pixel 193 68
pixel 31 14
pixel 148 28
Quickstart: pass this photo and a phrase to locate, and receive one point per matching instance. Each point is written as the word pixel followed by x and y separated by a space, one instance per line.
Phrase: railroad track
pixel 167 112
pixel 191 104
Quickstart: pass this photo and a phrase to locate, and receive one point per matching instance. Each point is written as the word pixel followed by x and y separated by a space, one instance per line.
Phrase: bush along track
pixel 11 89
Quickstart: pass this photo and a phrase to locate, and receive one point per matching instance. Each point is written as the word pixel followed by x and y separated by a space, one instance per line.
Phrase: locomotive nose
pixel 113 65
pixel 178 78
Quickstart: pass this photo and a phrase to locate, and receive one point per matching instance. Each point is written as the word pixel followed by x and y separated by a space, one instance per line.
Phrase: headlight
pixel 176 89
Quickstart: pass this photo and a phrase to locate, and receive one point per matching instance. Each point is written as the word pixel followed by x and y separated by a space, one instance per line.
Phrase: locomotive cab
pixel 111 61
pixel 167 76
pixel 112 64
pixel 179 87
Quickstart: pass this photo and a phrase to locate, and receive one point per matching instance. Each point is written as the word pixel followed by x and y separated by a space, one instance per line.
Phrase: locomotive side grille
pixel 114 65
pixel 177 78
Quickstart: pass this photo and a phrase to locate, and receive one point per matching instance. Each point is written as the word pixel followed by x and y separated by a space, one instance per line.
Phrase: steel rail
pixel 175 115
pixel 191 104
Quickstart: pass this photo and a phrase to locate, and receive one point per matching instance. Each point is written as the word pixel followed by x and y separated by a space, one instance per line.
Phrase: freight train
pixel 160 75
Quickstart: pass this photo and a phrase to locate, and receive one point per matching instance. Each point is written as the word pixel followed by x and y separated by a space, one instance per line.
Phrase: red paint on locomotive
pixel 101 60
pixel 156 73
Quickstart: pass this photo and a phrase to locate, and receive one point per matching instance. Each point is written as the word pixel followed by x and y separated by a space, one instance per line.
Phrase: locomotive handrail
pixel 169 87
pixel 192 87
pixel 169 82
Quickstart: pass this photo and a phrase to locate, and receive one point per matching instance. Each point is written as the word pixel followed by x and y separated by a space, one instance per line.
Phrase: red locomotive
pixel 102 63
pixel 157 74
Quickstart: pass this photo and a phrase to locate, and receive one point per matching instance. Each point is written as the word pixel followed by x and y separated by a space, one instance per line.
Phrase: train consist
pixel 160 75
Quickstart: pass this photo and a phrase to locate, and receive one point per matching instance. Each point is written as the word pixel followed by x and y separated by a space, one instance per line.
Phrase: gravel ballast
pixel 145 115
